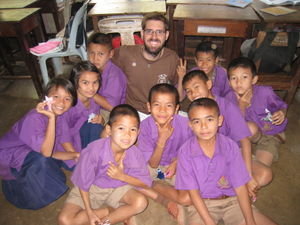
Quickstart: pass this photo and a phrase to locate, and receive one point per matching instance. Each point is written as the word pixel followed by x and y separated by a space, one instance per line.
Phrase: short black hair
pixel 207 46
pixel 242 62
pixel 194 73
pixel 123 110
pixel 155 16
pixel 60 82
pixel 101 39
pixel 204 102
pixel 81 67
pixel 164 88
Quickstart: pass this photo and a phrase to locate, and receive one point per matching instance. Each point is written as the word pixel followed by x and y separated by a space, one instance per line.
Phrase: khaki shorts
pixel 105 115
pixel 99 196
pixel 227 210
pixel 153 174
pixel 269 143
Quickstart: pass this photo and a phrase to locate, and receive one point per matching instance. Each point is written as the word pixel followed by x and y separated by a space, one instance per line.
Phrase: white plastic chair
pixel 71 48
pixel 125 25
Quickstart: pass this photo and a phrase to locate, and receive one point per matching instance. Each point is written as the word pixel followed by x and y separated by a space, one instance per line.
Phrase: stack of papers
pixel 239 3
pixel 278 10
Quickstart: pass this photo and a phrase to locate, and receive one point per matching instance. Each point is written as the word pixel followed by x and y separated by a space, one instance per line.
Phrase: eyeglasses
pixel 151 32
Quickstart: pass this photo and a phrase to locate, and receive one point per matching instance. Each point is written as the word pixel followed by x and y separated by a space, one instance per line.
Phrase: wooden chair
pixel 284 81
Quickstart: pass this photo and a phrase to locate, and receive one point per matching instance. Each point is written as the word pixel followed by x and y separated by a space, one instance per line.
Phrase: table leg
pixel 24 41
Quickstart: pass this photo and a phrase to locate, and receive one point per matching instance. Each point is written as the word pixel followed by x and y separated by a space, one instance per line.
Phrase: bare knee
pixel 63 219
pixel 184 199
pixel 140 203
pixel 255 132
pixel 262 174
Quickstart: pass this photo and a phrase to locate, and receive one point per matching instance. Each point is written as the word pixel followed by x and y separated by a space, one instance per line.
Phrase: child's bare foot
pixel 130 221
pixel 172 208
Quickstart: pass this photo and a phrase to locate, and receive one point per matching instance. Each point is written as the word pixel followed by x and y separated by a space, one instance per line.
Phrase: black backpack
pixel 274 58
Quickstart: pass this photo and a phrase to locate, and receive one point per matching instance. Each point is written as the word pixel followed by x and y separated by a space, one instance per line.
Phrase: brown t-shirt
pixel 142 74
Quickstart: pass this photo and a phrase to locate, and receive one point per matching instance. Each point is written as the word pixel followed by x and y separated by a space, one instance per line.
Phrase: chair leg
pixel 294 83
pixel 57 65
pixel 44 71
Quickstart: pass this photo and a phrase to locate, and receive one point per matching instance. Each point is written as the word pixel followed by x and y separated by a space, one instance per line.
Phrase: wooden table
pixel 93 2
pixel 19 23
pixel 125 8
pixel 14 4
pixel 233 23
pixel 270 21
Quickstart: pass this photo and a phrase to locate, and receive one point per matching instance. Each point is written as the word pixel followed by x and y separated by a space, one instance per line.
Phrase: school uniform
pixel 92 167
pixel 215 178
pixel 220 83
pixel 234 125
pixel 264 99
pixel 30 180
pixel 80 132
pixel 113 84
pixel 149 135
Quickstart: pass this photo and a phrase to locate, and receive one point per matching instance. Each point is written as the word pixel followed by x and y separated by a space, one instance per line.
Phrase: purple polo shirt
pixel 113 84
pixel 263 98
pixel 25 136
pixel 220 85
pixel 93 164
pixel 75 118
pixel 149 135
pixel 215 176
pixel 234 125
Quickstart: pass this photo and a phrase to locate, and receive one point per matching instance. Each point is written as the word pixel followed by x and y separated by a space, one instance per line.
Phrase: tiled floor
pixel 280 200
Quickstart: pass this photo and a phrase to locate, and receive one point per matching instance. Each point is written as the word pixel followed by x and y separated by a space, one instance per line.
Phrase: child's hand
pixel 253 188
pixel 93 218
pixel 76 156
pixel 181 69
pixel 164 132
pixel 98 119
pixel 245 98
pixel 40 108
pixel 171 170
pixel 278 117
pixel 115 172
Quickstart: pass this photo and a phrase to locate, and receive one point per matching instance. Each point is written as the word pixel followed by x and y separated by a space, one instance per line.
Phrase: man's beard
pixel 153 53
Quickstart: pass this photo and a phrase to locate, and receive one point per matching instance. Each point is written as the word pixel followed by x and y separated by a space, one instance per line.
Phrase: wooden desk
pixel 214 20
pixel 125 8
pixel 93 2
pixel 19 23
pixel 14 4
pixel 270 21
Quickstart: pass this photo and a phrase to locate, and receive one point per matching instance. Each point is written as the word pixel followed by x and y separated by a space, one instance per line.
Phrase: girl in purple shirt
pixel 30 156
pixel 84 119
pixel 107 171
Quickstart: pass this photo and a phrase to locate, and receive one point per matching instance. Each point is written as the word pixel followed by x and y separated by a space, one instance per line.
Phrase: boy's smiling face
pixel 197 88
pixel 206 62
pixel 241 80
pixel 162 107
pixel 123 132
pixel 204 122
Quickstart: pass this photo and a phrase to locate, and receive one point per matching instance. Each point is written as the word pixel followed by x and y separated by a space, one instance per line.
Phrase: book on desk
pixel 238 3
pixel 281 2
pixel 278 10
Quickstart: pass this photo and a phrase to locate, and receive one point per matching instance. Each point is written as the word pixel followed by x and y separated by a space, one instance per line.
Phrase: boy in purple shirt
pixel 84 119
pixel 31 156
pixel 114 83
pixel 211 168
pixel 263 110
pixel 197 85
pixel 107 171
pixel 206 59
pixel 160 137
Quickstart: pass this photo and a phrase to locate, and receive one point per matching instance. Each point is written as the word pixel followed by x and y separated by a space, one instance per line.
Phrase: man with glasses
pixel 148 64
